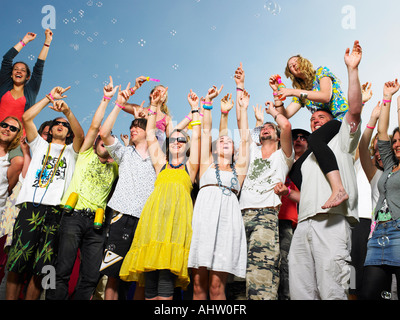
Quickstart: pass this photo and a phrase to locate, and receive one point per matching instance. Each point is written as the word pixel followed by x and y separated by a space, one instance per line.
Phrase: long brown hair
pixel 307 69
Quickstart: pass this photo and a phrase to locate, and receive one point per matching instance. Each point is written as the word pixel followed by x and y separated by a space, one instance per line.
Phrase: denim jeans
pixel 77 232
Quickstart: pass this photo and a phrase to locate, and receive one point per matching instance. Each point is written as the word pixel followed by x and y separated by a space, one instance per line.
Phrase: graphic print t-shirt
pixel 32 190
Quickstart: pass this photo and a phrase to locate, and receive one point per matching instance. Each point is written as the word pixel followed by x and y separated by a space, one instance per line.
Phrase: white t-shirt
pixel 315 188
pixel 364 192
pixel 31 190
pixel 4 165
pixel 262 176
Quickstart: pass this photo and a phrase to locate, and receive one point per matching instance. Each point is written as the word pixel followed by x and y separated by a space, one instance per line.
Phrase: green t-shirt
pixel 92 181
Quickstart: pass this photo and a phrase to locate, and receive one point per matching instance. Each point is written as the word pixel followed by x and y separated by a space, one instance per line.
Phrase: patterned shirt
pixel 338 104
pixel 135 182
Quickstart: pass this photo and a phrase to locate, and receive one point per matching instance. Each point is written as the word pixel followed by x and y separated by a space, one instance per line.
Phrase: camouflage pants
pixel 263 257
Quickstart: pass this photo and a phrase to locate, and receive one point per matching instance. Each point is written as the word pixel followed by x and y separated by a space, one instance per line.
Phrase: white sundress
pixel 219 238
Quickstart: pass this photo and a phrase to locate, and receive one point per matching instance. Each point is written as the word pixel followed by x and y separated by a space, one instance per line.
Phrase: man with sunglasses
pixel 134 186
pixel 48 176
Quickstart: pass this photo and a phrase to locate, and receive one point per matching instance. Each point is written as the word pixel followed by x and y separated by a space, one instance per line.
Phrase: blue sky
pixel 194 44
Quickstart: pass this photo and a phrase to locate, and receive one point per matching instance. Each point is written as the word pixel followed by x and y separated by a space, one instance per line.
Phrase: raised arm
pixel 226 106
pixel 363 147
pixel 239 80
pixel 352 61
pixel 108 92
pixel 194 158
pixel 46 45
pixel 284 125
pixel 244 146
pixel 389 89
pixel 158 157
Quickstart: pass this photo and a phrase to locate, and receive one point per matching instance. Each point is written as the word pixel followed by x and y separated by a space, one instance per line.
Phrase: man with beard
pixel 269 164
pixel 95 173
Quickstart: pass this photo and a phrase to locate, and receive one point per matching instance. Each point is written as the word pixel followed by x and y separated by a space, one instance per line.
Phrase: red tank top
pixel 12 107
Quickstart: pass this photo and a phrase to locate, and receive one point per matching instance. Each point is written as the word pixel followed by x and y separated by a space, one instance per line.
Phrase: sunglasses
pixel 178 139
pixel 65 124
pixel 302 138
pixel 5 125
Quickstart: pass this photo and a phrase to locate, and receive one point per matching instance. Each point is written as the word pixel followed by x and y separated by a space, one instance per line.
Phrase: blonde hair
pixel 16 142
pixel 307 69
pixel 164 107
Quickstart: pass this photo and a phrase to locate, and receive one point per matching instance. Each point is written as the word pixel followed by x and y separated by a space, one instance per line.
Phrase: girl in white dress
pixel 218 246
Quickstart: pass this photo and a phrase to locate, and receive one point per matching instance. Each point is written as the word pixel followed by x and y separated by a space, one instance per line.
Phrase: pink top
pixel 162 124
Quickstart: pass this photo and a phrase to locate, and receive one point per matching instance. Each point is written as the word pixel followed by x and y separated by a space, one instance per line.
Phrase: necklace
pixel 178 166
pixel 234 181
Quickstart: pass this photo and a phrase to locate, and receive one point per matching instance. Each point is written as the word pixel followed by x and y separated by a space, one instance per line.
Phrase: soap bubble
pixel 114 21
pixel 19 21
pixel 383 241
pixel 31 57
pixel 173 32
pixel 386 295
pixel 272 7
pixel 141 42
pixel 175 66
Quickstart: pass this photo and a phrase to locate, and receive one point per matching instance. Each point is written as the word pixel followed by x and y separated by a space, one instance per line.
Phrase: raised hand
pixel 244 99
pixel 158 96
pixel 30 36
pixel 123 96
pixel 109 89
pixel 60 106
pixel 280 189
pixel 270 108
pixel 239 76
pixel 213 92
pixel 353 59
pixel 193 100
pixel 58 93
pixel 390 88
pixel 258 113
pixel 139 81
pixel 227 103
pixel 273 82
pixel 366 92
pixel 49 36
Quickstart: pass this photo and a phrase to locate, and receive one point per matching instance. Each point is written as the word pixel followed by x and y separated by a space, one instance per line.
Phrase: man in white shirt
pixel 319 257
pixel 269 164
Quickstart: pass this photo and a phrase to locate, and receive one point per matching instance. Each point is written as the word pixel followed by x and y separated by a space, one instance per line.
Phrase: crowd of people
pixel 167 213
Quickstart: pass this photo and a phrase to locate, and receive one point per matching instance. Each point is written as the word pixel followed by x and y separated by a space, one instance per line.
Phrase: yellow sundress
pixel 163 235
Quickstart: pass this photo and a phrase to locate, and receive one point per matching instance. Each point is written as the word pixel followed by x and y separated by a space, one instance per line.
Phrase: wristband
pixel 122 107
pixel 275 93
pixel 107 98
pixel 23 43
pixel 46 45
pixel 369 127
pixel 195 110
pixel 152 112
pixel 188 118
pixel 51 97
pixel 132 91
pixel 201 115
pixel 239 89
pixel 207 107
pixel 224 112
pixel 290 190
pixel 195 123
pixel 386 101
pixel 207 103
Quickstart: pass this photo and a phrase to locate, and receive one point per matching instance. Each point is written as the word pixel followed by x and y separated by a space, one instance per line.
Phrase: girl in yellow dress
pixel 159 252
